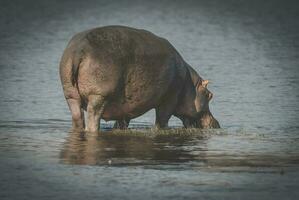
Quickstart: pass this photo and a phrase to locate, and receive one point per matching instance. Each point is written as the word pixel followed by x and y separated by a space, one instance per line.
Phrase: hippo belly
pixel 138 94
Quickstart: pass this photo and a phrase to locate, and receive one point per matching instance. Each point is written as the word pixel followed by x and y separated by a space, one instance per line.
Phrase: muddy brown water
pixel 248 50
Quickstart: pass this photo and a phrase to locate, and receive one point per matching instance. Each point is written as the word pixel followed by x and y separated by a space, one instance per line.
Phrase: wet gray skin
pixel 119 73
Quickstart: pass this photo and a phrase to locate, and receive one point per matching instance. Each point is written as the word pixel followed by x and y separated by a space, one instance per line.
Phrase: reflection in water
pixel 121 148
pixel 209 149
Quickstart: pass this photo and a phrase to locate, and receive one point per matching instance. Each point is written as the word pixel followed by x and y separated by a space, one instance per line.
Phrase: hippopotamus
pixel 119 73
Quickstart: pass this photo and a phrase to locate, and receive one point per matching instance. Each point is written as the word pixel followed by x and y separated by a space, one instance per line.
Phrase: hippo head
pixel 197 112
pixel 204 118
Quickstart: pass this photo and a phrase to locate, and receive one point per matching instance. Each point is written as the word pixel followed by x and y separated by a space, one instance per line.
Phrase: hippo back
pixel 136 68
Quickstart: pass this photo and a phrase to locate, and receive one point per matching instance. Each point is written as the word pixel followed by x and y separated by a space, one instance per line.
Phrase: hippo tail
pixel 75 70
pixel 69 69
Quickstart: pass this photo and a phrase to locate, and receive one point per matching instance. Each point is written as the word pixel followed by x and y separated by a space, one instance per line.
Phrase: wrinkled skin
pixel 119 73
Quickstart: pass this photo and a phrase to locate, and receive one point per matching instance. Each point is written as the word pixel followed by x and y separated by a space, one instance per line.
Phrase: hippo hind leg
pixel 77 114
pixel 121 124
pixel 95 108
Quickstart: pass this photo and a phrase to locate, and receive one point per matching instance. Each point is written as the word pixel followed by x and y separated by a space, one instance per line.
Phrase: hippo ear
pixel 204 83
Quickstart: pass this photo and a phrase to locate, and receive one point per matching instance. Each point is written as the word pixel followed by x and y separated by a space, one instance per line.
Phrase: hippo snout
pixel 208 121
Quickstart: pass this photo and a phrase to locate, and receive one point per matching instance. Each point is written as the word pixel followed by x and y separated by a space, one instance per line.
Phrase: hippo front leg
pixel 166 109
pixel 162 117
pixel 95 108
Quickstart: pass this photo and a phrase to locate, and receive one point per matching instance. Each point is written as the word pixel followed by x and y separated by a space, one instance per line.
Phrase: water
pixel 248 51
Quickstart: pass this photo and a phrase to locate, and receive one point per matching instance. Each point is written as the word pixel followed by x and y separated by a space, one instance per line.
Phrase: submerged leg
pixel 95 109
pixel 121 124
pixel 77 114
